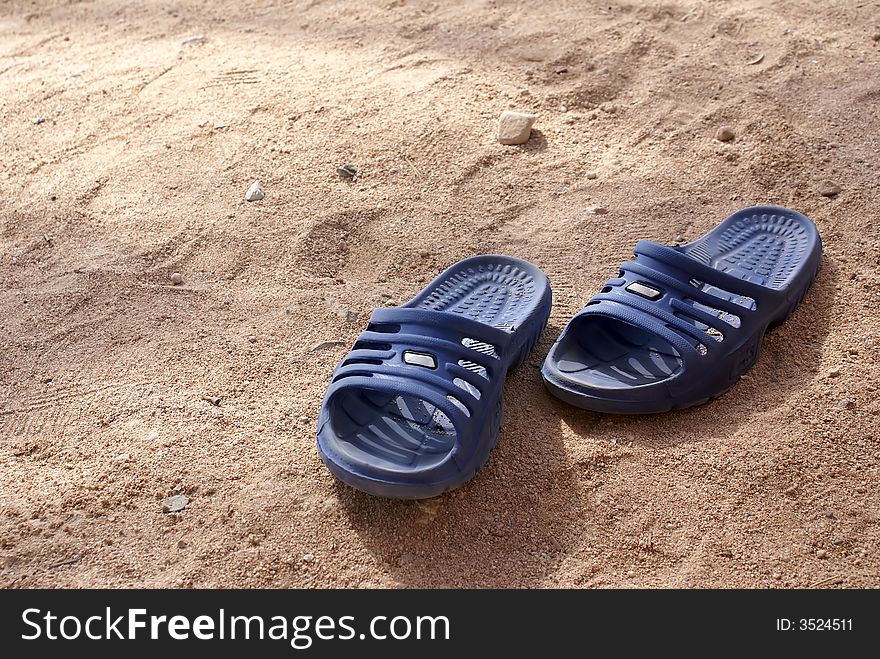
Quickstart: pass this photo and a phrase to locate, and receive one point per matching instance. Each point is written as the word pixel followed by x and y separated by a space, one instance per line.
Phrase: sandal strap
pixel 444 324
pixel 421 353
pixel 686 267
pixel 679 301
pixel 632 312
pixel 672 272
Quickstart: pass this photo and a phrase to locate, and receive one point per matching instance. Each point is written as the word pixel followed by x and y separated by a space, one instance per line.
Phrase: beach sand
pixel 128 138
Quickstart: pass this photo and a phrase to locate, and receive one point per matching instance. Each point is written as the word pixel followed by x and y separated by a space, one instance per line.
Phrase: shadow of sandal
pixel 510 526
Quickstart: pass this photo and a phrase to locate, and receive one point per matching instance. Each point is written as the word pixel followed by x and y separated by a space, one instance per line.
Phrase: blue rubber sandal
pixel 681 325
pixel 415 408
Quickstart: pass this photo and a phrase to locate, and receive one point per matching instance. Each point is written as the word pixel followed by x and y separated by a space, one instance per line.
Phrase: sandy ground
pixel 129 133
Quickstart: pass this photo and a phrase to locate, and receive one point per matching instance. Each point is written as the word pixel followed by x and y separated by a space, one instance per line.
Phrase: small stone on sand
pixel 176 278
pixel 828 188
pixel 174 504
pixel 122 457
pixel 834 372
pixel 821 553
pixel 349 315
pixel 843 404
pixel 37 120
pixel 347 171
pixel 255 192
pixel 515 127
pixel 591 175
pixel 598 210
pixel 724 134
pixel 309 558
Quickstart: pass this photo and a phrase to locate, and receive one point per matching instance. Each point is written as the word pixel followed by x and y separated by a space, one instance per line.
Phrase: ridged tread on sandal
pixel 681 325
pixel 415 408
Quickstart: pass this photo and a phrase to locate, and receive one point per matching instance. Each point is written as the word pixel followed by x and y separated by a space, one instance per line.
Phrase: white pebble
pixel 175 503
pixel 255 192
pixel 515 127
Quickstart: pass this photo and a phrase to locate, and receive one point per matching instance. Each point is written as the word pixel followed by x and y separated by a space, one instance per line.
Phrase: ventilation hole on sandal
pixel 371 345
pixel 442 424
pixel 741 300
pixel 695 342
pixel 383 328
pixel 744 301
pixel 747 302
pixel 419 415
pixel 458 404
pixel 731 319
pixel 414 413
pixel 607 289
pixel 468 387
pixel 480 346
pixel 351 362
pixel 700 325
pixel 474 368
pixel 407 412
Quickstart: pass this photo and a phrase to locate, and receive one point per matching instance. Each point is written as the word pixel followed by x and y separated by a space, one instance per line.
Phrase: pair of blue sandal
pixel 415 408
